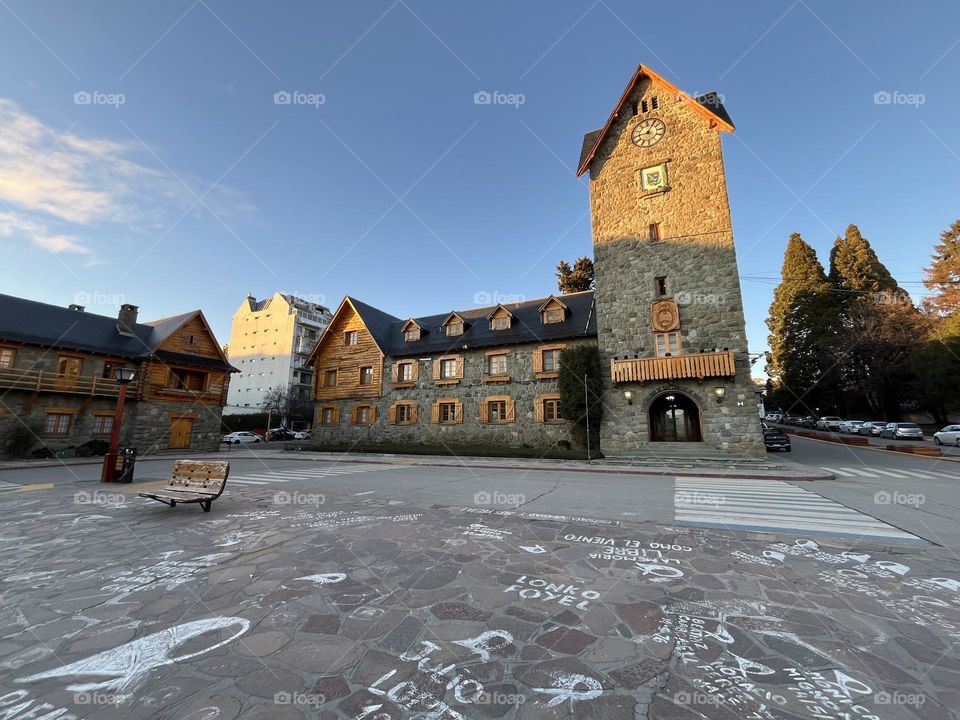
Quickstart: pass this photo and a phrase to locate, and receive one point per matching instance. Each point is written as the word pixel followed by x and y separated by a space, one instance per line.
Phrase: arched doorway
pixel 674 417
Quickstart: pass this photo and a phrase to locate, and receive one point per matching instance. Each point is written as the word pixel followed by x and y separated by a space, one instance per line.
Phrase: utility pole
pixel 586 404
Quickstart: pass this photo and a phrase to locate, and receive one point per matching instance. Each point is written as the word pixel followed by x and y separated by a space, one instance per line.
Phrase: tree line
pixel 849 340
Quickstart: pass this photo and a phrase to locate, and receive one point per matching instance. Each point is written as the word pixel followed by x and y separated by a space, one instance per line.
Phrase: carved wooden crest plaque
pixel 665 316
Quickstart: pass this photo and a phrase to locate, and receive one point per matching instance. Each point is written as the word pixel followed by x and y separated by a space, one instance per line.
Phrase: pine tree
pixel 943 276
pixel 577 279
pixel 802 323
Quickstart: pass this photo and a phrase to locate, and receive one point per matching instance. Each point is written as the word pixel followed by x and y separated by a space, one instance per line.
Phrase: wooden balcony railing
pixel 51 382
pixel 696 366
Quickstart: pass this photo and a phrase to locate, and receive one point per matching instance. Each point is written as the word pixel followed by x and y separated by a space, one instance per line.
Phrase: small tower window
pixel 660 284
pixel 655 103
pixel 654 232
pixel 644 106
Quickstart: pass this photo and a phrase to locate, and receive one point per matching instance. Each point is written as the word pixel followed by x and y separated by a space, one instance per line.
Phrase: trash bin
pixel 126 460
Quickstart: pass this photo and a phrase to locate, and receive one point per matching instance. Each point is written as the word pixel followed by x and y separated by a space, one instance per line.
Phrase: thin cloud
pixel 12 225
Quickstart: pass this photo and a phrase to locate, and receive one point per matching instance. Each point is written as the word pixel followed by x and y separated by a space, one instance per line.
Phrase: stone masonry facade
pixel 523 388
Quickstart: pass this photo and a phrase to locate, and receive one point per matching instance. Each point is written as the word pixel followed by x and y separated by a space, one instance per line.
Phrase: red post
pixel 109 471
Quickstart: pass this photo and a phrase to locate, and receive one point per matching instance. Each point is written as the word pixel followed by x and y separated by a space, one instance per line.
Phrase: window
pixel 644 105
pixel 500 323
pixel 497 365
pixel 655 103
pixel 351 337
pixel 551 409
pixel 654 179
pixel 186 380
pixel 329 415
pixel 363 415
pixel 551 360
pixel 405 372
pixel 411 334
pixel 366 375
pixel 654 232
pixel 330 378
pixel 70 366
pixel 454 328
pixel 448 412
pixel 102 424
pixel 6 357
pixel 497 410
pixel 553 316
pixel 448 368
pixel 660 285
pixel 667 343
pixel 58 423
pixel 403 413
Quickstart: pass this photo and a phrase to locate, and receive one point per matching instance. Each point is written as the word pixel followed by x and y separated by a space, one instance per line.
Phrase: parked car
pixel 830 422
pixel 902 431
pixel 241 437
pixel 808 422
pixel 301 435
pixel 775 439
pixel 851 426
pixel 279 434
pixel 871 428
pixel 950 435
pixel 773 417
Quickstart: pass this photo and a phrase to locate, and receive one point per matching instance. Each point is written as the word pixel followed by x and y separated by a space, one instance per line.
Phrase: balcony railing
pixel 52 382
pixel 696 366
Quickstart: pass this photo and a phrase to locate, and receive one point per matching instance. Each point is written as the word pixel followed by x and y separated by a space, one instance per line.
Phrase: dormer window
pixel 500 318
pixel 455 328
pixel 453 325
pixel 553 311
pixel 411 331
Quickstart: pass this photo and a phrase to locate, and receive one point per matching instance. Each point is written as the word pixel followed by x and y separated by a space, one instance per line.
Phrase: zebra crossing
pixel 268 477
pixel 773 506
pixel 876 473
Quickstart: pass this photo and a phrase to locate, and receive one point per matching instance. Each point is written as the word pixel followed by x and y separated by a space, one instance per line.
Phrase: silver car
pixel 851 426
pixel 950 435
pixel 871 428
pixel 902 431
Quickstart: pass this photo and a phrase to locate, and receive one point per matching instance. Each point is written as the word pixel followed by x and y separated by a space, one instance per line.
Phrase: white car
pixel 831 422
pixel 301 435
pixel 950 435
pixel 241 436
pixel 851 426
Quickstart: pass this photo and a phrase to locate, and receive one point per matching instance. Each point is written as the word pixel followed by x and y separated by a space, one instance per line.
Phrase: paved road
pixel 376 592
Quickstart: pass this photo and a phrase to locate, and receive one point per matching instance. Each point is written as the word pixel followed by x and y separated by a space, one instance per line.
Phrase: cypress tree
pixel 802 324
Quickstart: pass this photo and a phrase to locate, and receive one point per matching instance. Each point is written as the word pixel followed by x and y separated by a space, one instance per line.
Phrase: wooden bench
pixel 193 481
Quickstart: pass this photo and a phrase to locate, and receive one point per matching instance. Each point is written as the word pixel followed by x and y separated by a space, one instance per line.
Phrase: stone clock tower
pixel 670 320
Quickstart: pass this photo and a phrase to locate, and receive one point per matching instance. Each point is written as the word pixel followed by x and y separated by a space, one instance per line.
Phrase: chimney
pixel 127 317
pixel 77 308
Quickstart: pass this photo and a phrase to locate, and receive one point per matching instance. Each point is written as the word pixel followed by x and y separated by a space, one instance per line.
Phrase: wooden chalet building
pixel 471 377
pixel 57 370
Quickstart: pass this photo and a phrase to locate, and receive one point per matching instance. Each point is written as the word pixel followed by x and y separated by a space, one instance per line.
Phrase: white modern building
pixel 270 343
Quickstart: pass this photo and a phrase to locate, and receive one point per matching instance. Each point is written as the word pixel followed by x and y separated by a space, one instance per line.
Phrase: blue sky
pixel 183 184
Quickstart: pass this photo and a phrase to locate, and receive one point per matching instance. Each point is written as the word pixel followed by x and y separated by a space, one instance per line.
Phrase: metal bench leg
pixel 205 505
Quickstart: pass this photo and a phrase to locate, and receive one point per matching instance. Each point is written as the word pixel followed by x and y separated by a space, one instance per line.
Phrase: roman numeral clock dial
pixel 648 132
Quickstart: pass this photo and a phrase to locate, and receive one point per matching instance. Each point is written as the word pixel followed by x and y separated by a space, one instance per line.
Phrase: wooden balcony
pixel 51 382
pixel 697 366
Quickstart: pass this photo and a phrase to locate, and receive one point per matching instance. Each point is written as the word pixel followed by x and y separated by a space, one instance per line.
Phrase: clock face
pixel 648 132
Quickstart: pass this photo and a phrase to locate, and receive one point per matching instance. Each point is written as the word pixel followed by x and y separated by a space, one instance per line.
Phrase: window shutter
pixel 484 411
pixel 538 409
pixel 416 370
pixel 413 412
pixel 353 415
pixel 393 414
pixel 435 412
pixel 373 414
pixel 538 360
pixel 336 415
pixel 436 368
pixel 395 372
pixel 459 412
pixel 511 410
pixel 460 367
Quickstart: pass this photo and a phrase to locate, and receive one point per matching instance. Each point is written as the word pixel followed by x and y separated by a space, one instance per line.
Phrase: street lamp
pixel 124 376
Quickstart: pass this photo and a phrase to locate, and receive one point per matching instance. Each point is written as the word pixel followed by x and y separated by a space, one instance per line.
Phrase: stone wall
pixel 523 387
pixel 695 253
